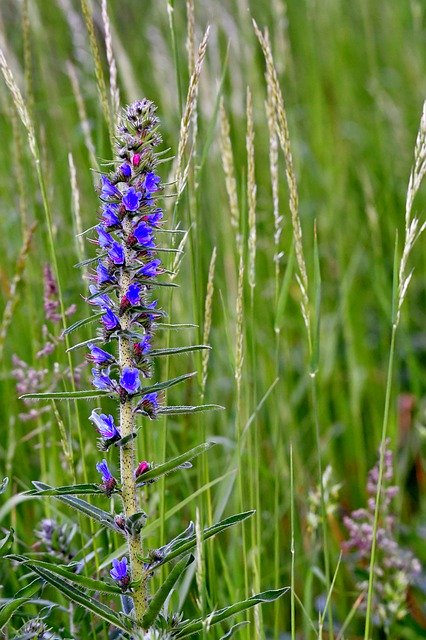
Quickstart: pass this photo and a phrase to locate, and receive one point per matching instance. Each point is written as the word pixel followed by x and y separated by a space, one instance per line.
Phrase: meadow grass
pixel 293 143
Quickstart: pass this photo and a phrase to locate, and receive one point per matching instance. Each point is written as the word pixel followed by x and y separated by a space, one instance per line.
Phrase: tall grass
pixel 292 142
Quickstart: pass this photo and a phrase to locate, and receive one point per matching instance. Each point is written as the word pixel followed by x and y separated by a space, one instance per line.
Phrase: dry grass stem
pixel 228 167
pixel 75 199
pixel 239 330
pixel 190 106
pixel 251 193
pixel 208 319
pixel 284 139
pixel 113 86
pixel 82 114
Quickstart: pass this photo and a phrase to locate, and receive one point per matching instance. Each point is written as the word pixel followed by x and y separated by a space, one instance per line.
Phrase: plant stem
pixel 127 457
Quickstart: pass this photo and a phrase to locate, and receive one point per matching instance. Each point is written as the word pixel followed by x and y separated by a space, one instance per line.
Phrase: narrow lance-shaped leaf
pixel 7 611
pixel 66 395
pixel 177 350
pixel 3 485
pixel 69 490
pixel 64 572
pixel 174 463
pixel 162 593
pixel 83 599
pixel 6 543
pixel 84 321
pixel 86 342
pixel 186 629
pixel 233 629
pixel 167 383
pixel 84 507
pixel 174 410
pixel 178 546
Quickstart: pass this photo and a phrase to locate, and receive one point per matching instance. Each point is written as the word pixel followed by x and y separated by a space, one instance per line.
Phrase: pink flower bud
pixel 136 159
pixel 142 467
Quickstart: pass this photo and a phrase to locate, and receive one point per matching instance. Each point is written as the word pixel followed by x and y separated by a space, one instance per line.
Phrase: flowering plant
pixel 121 284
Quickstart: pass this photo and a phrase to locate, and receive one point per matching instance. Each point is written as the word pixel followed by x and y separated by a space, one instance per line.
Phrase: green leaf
pixel 167 383
pixel 68 490
pixel 156 283
pixel 185 409
pixel 85 343
pixel 186 629
pixel 162 593
pixel 83 263
pixel 7 611
pixel 81 323
pixel 83 599
pixel 64 572
pixel 178 350
pixel 173 463
pixel 3 485
pixel 30 589
pixel 90 510
pixel 6 543
pixel 233 629
pixel 66 395
pixel 184 544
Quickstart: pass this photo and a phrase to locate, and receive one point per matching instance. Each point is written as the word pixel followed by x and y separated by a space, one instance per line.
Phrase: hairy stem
pixel 127 459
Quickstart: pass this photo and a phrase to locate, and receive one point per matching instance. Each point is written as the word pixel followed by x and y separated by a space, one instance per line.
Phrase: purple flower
pixel 150 269
pixel 143 235
pixel 105 425
pixel 109 216
pixel 108 190
pixel 102 300
pixel 151 182
pixel 119 572
pixel 142 467
pixel 99 356
pixel 110 320
pixel 129 380
pixel 103 275
pixel 136 159
pixel 133 294
pixel 149 405
pixel 105 240
pixel 126 170
pixel 116 253
pixel 102 467
pixel 143 347
pixel 131 199
pixel 101 380
pixel 154 218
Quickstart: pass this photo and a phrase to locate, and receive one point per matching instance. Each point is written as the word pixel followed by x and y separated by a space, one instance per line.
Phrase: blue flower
pixel 126 170
pixel 133 294
pixel 99 356
pixel 131 199
pixel 110 320
pixel 119 572
pixel 102 467
pixel 101 380
pixel 129 380
pixel 109 216
pixel 116 253
pixel 143 235
pixel 154 218
pixel 105 425
pixel 143 347
pixel 105 240
pixel 149 405
pixel 101 300
pixel 151 182
pixel 150 269
pixel 108 190
pixel 103 275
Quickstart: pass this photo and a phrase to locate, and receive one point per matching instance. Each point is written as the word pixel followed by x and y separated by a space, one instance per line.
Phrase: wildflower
pixel 143 347
pixel 133 294
pixel 129 380
pixel 136 159
pixel 110 216
pixel 105 240
pixel 150 269
pixel 108 190
pixel 51 299
pixel 103 275
pixel 101 380
pixel 132 199
pixel 108 480
pixel 119 572
pixel 110 320
pixel 106 428
pixel 151 182
pixel 99 356
pixel 101 300
pixel 142 467
pixel 149 405
pixel 154 218
pixel 143 235
pixel 125 170
pixel 116 253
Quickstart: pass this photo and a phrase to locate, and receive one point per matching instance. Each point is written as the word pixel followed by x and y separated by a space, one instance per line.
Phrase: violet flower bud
pixel 119 573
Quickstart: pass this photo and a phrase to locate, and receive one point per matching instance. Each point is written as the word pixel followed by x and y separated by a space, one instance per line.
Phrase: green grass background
pixel 353 76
